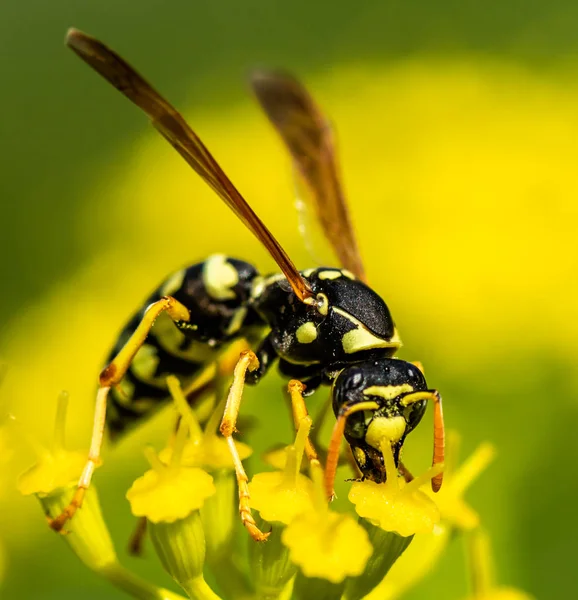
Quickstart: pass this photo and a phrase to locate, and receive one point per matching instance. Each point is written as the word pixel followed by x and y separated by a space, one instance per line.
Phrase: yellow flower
pixel 282 495
pixel 205 449
pixel 167 493
pixel 54 470
pixel 426 549
pixel 326 544
pixel 482 572
pixel 57 468
pixel 396 505
pixel 450 498
pixel 53 481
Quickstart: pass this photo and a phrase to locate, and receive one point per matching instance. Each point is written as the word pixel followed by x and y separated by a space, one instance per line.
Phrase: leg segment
pixel 92 462
pixel 405 472
pixel 334 449
pixel 109 377
pixel 265 356
pixel 439 429
pixel 114 372
pixel 299 409
pixel 247 362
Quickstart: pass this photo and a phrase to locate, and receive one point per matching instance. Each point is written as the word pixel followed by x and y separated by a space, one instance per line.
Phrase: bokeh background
pixel 458 132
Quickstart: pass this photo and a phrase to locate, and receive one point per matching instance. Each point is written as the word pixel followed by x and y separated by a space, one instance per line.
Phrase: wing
pixel 309 139
pixel 184 140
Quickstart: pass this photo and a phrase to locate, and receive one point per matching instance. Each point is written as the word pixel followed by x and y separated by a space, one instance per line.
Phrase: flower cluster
pixel 188 502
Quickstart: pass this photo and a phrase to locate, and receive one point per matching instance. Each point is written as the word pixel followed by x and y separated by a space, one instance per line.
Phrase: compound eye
pixel 322 304
pixel 354 379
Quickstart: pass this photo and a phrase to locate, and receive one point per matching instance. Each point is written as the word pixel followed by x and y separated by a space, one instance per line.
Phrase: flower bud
pixel 53 481
pixel 325 544
pixel 170 497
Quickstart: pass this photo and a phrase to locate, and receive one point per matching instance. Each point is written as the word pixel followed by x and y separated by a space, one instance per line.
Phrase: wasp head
pixel 385 382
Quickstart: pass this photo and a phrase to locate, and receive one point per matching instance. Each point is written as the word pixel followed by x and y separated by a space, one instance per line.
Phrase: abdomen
pixel 217 293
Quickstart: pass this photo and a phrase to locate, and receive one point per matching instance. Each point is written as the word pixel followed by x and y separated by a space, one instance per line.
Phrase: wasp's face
pixel 385 382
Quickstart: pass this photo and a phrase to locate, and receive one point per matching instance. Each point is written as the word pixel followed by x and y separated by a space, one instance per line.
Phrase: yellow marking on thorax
pixel 260 283
pixel 322 304
pixel 387 392
pixel 173 283
pixel 361 338
pixel 329 274
pixel 306 333
pixel 385 428
pixel 219 276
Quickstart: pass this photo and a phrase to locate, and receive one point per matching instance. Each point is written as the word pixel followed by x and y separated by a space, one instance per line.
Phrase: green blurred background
pixel 458 132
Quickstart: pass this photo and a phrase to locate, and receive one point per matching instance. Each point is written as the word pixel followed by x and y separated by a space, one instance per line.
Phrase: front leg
pixel 247 363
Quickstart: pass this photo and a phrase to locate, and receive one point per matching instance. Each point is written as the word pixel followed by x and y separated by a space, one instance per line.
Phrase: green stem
pixel 387 548
pixel 230 579
pixel 314 588
pixel 481 567
pixel 197 589
pixel 135 586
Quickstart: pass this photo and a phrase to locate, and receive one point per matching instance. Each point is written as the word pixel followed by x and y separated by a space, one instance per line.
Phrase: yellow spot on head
pixel 385 428
pixel 329 274
pixel 306 333
pixel 388 392
pixel 257 287
pixel 219 276
pixel 348 274
pixel 173 283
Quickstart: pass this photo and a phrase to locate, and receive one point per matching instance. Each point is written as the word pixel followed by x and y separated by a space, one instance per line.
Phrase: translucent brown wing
pixel 177 132
pixel 309 139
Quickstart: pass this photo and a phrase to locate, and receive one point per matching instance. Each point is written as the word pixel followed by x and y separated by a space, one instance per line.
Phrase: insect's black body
pixel 318 343
pixel 217 293
pixel 322 326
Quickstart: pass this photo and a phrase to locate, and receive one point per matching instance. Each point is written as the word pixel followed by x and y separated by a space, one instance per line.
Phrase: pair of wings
pixel 302 127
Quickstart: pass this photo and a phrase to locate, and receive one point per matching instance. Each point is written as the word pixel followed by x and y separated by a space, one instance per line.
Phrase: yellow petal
pixel 168 497
pixel 210 452
pixel 52 472
pixel 388 507
pixel 216 453
pixel 329 545
pixel 277 499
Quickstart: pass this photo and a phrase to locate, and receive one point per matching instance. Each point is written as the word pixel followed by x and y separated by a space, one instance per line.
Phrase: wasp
pixel 323 326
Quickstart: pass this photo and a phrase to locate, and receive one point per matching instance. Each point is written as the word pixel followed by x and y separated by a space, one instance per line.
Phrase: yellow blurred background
pixel 458 134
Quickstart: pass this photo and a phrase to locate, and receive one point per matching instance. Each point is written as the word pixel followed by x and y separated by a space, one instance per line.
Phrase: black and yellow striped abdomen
pixel 217 293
